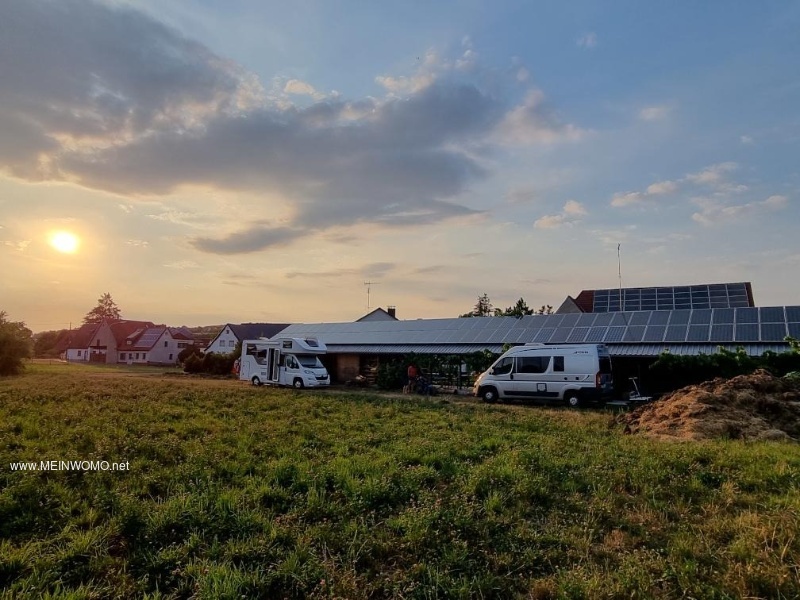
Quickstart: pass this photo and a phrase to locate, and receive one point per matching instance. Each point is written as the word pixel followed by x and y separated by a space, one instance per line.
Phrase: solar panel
pixel 660 317
pixel 793 314
pixel 679 317
pixel 620 319
pixel 586 320
pixel 747 315
pixel 773 332
pixel 794 330
pixel 634 334
pixel 570 320
pixel 721 332
pixel 746 332
pixel 544 334
pixel 675 333
pixel 723 315
pixel 700 317
pixel 578 335
pixel 554 320
pixel 560 335
pixel 603 319
pixel 697 333
pixel 772 314
pixel 596 334
pixel 654 333
pixel 615 334
pixel 640 318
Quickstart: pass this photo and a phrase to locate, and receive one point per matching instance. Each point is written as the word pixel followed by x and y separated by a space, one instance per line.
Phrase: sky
pixel 210 161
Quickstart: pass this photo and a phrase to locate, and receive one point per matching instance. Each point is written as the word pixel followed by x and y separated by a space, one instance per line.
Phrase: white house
pixel 231 334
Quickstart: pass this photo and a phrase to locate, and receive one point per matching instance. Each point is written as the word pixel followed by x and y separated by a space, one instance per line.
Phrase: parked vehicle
pixel 572 373
pixel 288 361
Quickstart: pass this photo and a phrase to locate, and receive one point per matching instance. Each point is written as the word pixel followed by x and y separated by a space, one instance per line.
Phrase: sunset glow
pixel 64 241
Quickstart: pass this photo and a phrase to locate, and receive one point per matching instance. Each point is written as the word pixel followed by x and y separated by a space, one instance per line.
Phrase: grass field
pixel 236 491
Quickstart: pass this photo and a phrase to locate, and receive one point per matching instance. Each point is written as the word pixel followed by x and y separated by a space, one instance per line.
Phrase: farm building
pixel 634 337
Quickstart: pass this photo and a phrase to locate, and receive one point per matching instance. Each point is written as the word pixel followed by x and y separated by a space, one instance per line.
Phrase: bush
pixel 15 345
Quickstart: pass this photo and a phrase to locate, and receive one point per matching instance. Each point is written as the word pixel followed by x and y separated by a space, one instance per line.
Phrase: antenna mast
pixel 369 285
pixel 619 272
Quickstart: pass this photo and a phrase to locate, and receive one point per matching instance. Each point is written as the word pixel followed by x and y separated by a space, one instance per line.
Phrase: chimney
pixel 391 310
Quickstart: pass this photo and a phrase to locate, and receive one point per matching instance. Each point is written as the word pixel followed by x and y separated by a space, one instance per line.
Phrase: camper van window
pixel 532 364
pixel 503 367
pixel 291 363
pixel 310 361
pixel 251 350
pixel 558 363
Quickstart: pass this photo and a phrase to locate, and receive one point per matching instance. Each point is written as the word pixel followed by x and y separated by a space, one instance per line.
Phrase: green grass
pixel 236 491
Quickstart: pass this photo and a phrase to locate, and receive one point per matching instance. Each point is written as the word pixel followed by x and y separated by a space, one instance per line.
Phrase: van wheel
pixel 297 383
pixel 489 395
pixel 573 400
pixel 256 380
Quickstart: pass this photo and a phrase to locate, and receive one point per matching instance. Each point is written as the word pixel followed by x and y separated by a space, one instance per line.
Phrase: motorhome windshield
pixel 310 361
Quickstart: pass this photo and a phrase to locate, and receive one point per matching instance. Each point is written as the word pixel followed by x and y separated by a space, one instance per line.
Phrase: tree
pixel 15 344
pixel 106 309
pixel 545 309
pixel 45 343
pixel 520 309
pixel 483 308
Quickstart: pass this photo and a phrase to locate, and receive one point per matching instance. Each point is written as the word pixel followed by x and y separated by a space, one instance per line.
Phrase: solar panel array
pixel 149 337
pixel 719 325
pixel 718 295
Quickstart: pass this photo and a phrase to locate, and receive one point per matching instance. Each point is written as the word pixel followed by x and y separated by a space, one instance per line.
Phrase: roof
pixel 253 331
pixel 706 295
pixel 181 333
pixel 124 329
pixel 747 326
pixel 82 336
pixel 378 315
pixel 146 339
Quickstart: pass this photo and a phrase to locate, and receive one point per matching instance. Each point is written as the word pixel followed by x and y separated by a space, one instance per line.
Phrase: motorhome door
pixel 274 359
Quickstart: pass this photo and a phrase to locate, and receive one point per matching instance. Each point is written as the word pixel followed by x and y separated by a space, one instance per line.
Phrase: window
pixel 170 357
pixel 231 343
pixel 291 362
pixel 558 363
pixel 532 364
pixel 122 356
pixel 137 356
pixel 503 367
pixel 165 343
pixel 79 353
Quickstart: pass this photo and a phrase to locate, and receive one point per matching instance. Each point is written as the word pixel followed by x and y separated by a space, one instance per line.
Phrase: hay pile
pixel 753 407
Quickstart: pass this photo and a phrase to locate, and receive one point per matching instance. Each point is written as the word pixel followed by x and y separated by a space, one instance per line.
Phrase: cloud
pixel 715 212
pixel 111 99
pixel 588 41
pixel 654 113
pixel 662 187
pixel 746 139
pixel 570 214
pixel 522 195
pixel 371 270
pixel 301 88
pixel 712 175
pixel 532 122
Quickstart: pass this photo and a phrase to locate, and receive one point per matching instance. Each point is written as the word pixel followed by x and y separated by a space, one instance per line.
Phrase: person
pixel 413 373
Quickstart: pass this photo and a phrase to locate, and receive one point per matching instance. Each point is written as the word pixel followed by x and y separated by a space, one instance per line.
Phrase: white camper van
pixel 573 373
pixel 286 361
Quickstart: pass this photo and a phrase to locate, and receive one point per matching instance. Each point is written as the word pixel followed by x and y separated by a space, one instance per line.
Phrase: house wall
pixel 224 343
pixel 104 337
pixel 164 351
pixel 77 354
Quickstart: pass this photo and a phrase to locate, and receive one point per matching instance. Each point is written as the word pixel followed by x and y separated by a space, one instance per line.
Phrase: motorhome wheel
pixel 573 400
pixel 256 380
pixel 298 383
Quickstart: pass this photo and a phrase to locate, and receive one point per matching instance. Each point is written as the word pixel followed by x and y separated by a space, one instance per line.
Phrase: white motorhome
pixel 573 373
pixel 283 361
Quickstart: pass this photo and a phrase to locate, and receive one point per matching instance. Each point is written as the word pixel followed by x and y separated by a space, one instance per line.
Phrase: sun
pixel 64 241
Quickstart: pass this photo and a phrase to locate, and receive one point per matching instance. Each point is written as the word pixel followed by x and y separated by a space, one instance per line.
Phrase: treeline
pixel 484 308
pixel 671 371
